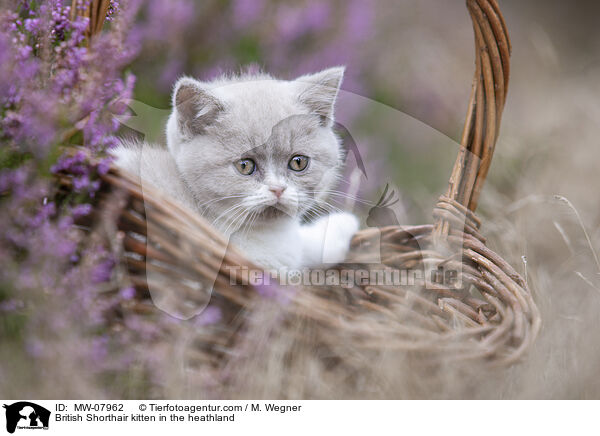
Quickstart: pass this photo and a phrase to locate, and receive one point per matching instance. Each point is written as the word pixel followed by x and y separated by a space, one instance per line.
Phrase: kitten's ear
pixel 318 92
pixel 194 106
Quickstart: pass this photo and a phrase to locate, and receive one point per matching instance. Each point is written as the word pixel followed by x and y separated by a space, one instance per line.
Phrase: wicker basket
pixel 490 317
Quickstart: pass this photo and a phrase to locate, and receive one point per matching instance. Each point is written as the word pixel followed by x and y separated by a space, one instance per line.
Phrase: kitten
pixel 256 156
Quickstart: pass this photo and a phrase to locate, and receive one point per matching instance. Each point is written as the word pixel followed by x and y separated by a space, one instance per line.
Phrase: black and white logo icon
pixel 26 415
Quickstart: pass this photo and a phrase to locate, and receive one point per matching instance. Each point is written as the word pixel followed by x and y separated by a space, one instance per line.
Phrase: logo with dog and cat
pixel 25 415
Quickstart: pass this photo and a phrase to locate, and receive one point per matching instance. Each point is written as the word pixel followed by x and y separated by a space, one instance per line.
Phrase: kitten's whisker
pixel 233 210
pixel 244 223
pixel 233 215
pixel 235 221
pixel 337 197
pixel 214 200
pixel 320 210
pixel 344 195
pixel 329 207
pixel 225 216
pixel 250 222
pixel 243 229
pixel 313 215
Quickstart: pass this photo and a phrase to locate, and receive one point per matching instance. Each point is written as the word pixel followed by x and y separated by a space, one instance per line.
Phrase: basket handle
pixel 488 94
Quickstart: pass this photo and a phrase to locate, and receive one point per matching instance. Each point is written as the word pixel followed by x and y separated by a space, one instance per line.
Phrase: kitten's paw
pixel 340 229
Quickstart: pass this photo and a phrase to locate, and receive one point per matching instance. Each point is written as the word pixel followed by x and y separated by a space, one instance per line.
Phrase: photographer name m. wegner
pixel 344 277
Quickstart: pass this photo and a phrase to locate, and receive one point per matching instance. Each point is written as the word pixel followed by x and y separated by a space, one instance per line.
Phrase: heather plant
pixel 57 91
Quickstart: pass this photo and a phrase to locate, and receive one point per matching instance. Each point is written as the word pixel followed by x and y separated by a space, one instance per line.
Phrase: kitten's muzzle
pixel 273 212
pixel 277 190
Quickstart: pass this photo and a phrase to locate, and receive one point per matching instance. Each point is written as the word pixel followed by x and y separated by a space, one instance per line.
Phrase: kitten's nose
pixel 277 190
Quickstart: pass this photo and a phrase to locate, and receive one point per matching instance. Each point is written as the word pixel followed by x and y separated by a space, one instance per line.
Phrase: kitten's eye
pixel 298 163
pixel 245 166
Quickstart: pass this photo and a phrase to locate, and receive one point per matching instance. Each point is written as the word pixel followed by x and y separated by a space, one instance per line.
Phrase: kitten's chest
pixel 272 246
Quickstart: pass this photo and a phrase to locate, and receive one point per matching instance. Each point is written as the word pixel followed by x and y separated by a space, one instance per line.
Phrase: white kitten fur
pixel 154 165
pixel 216 124
pixel 328 239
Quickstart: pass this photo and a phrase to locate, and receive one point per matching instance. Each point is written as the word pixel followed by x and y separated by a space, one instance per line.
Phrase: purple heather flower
pixel 113 9
pixel 103 271
pixel 127 293
pixel 33 25
pixel 104 166
pixel 81 182
pixel 268 290
pixel 210 315
pixel 81 210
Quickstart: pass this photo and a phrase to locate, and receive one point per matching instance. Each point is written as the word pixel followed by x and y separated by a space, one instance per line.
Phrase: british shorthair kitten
pixel 257 157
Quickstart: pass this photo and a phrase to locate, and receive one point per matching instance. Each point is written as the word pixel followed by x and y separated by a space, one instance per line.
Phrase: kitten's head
pixel 253 148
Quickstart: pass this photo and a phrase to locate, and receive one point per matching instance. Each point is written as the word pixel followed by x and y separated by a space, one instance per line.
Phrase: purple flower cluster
pixel 56 90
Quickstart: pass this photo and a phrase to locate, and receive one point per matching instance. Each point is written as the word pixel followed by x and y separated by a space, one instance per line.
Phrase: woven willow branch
pixel 95 10
pixel 488 95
